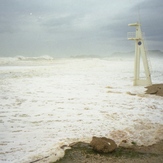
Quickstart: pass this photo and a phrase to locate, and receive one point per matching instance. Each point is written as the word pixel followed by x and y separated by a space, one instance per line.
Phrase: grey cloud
pixel 59 23
pixel 150 13
pixel 65 26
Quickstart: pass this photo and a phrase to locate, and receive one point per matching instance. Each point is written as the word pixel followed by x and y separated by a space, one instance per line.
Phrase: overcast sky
pixel 62 28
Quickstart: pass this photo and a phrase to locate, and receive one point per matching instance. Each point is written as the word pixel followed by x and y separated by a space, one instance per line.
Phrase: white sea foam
pixel 25 61
pixel 45 57
pixel 45 105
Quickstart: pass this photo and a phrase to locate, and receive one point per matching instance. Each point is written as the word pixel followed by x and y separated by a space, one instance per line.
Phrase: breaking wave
pixel 45 57
pixel 21 60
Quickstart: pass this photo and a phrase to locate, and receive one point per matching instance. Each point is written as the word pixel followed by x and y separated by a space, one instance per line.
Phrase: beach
pixel 48 103
pixel 82 153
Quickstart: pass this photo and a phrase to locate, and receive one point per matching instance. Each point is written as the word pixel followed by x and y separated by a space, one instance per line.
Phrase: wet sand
pixel 155 89
pixel 83 153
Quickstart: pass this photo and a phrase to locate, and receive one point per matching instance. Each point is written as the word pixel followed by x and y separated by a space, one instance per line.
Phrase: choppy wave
pixel 22 60
pixel 45 57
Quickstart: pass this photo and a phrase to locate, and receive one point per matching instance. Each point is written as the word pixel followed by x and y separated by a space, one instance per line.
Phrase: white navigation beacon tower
pixel 140 52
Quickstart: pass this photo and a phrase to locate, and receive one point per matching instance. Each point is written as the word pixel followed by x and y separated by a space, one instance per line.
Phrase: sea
pixel 48 103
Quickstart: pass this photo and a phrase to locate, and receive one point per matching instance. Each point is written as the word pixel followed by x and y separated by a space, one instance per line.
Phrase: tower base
pixel 142 82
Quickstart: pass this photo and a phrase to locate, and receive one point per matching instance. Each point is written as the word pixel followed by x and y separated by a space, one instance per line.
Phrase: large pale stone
pixel 103 145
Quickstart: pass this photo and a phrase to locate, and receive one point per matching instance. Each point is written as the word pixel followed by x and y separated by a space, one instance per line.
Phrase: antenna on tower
pixel 139 14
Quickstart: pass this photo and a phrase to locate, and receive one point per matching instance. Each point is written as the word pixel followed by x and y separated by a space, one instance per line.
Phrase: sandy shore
pixel 155 89
pixel 83 153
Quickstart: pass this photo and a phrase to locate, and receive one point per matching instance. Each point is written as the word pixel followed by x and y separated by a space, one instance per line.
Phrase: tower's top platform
pixel 134 24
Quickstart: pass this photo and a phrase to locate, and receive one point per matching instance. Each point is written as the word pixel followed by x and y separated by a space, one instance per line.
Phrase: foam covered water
pixel 47 103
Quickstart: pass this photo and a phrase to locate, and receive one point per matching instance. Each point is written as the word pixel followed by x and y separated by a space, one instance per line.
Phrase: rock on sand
pixel 156 89
pixel 103 145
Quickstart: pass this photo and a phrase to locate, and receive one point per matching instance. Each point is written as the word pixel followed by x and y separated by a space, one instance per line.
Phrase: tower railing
pixel 131 35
